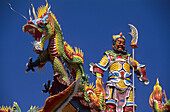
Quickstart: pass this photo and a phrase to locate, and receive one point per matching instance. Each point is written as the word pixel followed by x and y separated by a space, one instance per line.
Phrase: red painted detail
pixel 134 46
pixel 143 72
pixel 119 57
pixel 53 49
pixel 33 30
pixel 121 62
pixel 44 15
pixel 110 108
pixel 122 73
pixel 128 108
pixel 111 58
pixel 69 54
pixel 126 57
pixel 98 70
pixel 76 54
pixel 38 52
pixel 39 22
pixel 30 22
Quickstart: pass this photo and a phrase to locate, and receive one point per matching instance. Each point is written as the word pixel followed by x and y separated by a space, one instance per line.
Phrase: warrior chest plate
pixel 120 64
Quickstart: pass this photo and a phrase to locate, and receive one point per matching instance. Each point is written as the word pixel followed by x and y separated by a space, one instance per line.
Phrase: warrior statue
pixel 118 89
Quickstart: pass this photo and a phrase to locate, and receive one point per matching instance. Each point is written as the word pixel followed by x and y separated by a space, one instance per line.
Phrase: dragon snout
pixel 38 23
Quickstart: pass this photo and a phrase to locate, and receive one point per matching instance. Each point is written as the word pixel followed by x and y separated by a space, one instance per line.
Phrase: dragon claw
pixel 46 86
pixel 27 64
pixel 30 59
pixel 30 66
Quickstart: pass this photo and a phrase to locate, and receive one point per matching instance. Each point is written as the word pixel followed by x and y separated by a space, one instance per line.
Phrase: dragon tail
pixel 57 102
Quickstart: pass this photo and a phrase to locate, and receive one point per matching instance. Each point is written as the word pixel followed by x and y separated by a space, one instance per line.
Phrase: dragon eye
pixel 30 22
pixel 40 24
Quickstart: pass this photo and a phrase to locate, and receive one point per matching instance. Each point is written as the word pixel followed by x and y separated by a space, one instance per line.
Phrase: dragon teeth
pixel 32 30
pixel 43 35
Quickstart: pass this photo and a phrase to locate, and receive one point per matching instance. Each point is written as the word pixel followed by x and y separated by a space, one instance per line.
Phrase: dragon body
pixel 65 60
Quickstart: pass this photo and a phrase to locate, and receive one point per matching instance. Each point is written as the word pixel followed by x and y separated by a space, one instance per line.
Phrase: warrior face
pixel 120 44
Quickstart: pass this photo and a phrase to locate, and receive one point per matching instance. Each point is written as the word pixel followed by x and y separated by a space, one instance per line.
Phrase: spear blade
pixel 134 35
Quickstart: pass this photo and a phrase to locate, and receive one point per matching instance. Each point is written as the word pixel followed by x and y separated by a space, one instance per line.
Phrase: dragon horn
pixel 46 7
pixel 33 10
pixel 30 14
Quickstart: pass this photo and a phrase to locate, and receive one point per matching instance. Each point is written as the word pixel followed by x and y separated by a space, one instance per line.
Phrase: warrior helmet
pixel 115 37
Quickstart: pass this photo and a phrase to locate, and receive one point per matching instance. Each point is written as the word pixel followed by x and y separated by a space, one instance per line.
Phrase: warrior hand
pixel 134 65
pixel 29 65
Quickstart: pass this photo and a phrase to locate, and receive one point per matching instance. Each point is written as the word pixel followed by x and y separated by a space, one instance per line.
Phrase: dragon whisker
pixel 17 12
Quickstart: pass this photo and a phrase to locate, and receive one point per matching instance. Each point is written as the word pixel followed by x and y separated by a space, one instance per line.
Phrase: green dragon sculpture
pixel 68 63
pixel 70 88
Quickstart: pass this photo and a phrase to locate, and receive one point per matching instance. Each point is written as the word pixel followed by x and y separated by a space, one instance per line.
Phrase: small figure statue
pixel 118 89
pixel 158 100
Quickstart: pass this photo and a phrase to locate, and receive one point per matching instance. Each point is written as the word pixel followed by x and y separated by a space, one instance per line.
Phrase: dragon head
pixel 15 107
pixel 41 27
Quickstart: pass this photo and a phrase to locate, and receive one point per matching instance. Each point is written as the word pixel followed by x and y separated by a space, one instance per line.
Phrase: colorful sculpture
pixel 70 84
pixel 158 100
pixel 118 89
pixel 15 108
pixel 70 88
pixel 66 62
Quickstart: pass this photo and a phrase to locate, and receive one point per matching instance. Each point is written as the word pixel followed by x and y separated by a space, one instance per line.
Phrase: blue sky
pixel 89 25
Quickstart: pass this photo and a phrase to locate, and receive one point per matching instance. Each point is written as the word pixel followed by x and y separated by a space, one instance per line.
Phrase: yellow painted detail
pixel 126 66
pixel 99 75
pixel 5 108
pixel 79 51
pixel 121 84
pixel 78 74
pixel 68 47
pixel 117 36
pixel 82 61
pixel 128 79
pixel 41 45
pixel 104 61
pixel 130 99
pixel 111 90
pixel 115 66
pixel 41 10
pixel 112 77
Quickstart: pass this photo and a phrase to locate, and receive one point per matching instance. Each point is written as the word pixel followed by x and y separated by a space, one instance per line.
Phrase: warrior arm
pixel 97 70
pixel 140 71
pixel 100 67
